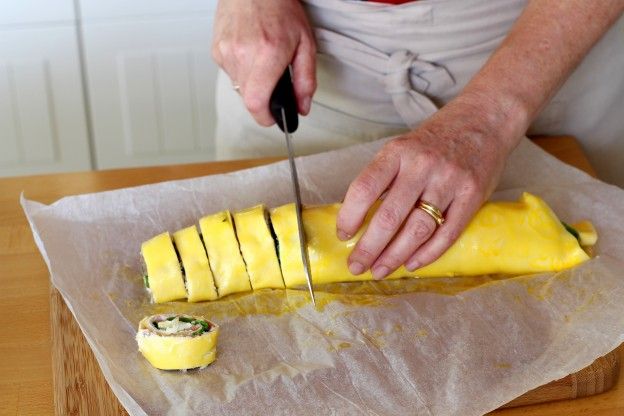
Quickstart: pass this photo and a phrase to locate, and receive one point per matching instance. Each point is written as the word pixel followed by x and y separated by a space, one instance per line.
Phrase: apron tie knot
pixel 405 77
pixel 404 71
pixel 398 73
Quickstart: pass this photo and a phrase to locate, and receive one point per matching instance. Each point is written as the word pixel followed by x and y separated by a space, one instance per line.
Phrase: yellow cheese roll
pixel 504 237
pixel 510 238
pixel 224 253
pixel 199 281
pixel 258 248
pixel 164 276
pixel 177 342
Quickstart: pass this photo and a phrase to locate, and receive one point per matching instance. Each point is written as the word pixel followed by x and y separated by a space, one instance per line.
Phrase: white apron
pixel 382 69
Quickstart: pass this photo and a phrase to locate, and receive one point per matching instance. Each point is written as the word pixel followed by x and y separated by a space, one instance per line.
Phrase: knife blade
pixel 283 107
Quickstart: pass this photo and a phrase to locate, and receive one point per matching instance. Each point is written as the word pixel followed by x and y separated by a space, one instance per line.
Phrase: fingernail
pixel 379 272
pixel 356 268
pixel 411 266
pixel 306 106
pixel 342 235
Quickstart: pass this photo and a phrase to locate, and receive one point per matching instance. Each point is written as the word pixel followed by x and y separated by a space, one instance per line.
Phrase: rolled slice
pixel 199 281
pixel 224 254
pixel 503 237
pixel 164 275
pixel 284 223
pixel 258 248
pixel 177 342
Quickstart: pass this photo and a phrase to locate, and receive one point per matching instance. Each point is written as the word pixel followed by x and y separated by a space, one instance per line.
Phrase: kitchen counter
pixel 27 367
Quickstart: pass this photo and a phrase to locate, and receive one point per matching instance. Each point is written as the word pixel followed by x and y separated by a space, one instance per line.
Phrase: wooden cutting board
pixel 80 387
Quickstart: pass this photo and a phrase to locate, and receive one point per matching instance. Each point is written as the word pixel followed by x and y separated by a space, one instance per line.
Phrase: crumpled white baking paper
pixel 390 348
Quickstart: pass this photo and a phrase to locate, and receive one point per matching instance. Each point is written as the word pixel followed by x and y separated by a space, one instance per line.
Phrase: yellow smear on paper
pixel 422 333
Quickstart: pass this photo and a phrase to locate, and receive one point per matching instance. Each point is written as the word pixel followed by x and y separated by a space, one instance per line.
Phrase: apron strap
pixel 405 77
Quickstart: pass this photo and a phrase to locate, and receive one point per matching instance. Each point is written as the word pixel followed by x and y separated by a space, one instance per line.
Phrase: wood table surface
pixel 26 365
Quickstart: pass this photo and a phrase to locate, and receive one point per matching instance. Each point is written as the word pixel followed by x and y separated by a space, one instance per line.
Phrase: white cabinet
pixel 151 84
pixel 91 10
pixel 42 115
pixel 36 12
pixel 92 84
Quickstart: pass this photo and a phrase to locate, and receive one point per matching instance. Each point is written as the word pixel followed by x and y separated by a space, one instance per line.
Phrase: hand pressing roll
pixel 502 238
pixel 177 342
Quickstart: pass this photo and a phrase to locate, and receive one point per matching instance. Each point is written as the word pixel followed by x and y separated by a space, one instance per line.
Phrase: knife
pixel 283 107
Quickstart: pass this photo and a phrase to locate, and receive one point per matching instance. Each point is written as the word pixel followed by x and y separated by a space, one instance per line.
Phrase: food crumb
pixel 422 333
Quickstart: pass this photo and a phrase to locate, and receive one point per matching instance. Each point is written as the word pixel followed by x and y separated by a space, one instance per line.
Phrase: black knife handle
pixel 284 97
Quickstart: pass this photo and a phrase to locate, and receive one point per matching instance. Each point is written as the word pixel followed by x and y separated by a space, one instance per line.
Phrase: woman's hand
pixel 255 40
pixel 453 161
pixel 455 158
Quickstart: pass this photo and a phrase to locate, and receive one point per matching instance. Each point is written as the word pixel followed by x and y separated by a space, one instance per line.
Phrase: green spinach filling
pixel 571 230
pixel 204 326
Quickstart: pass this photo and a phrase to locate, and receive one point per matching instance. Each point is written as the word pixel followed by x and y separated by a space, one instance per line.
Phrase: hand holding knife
pixel 283 107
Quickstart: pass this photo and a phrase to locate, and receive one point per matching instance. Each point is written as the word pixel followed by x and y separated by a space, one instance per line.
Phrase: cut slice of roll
pixel 224 253
pixel 199 281
pixel 258 248
pixel 177 342
pixel 164 276
pixel 503 238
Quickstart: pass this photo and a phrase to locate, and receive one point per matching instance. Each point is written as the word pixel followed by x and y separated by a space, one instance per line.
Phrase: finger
pixel 459 214
pixel 260 83
pixel 217 56
pixel 230 70
pixel 363 192
pixel 418 229
pixel 385 223
pixel 232 57
pixel 304 74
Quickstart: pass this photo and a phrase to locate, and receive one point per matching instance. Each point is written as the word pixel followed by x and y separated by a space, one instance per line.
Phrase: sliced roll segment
pixel 284 221
pixel 224 254
pixel 258 248
pixel 164 275
pixel 177 342
pixel 199 280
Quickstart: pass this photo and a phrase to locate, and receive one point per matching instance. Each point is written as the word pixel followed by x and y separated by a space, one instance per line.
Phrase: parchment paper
pixel 394 348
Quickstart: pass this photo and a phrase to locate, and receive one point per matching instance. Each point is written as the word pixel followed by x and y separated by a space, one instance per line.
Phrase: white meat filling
pixel 174 326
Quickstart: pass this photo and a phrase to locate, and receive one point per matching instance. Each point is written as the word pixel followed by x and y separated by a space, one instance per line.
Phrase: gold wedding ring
pixel 432 210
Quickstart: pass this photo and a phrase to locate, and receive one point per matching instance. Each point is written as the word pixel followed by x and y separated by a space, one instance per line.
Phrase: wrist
pixel 503 115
